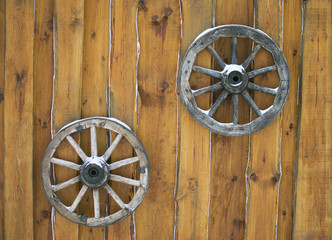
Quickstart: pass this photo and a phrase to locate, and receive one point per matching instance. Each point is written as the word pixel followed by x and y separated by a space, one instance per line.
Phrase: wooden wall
pixel 64 60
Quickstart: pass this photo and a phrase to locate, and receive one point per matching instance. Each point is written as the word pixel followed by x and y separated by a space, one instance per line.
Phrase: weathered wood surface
pixel 192 190
pixel 123 80
pixel 95 84
pixel 18 120
pixel 69 34
pixel 291 50
pixel 313 202
pixel 198 187
pixel 264 169
pixel 159 35
pixel 2 102
pixel 43 91
pixel 229 155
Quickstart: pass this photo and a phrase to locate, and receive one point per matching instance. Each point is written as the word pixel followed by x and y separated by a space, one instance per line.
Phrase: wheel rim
pixel 95 171
pixel 234 80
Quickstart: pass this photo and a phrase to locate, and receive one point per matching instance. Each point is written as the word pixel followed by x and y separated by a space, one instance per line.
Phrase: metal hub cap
pixel 94 172
pixel 234 78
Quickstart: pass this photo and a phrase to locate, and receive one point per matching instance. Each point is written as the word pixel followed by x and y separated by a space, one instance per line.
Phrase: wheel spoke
pixel 116 198
pixel 251 102
pixel 121 179
pixel 77 148
pixel 261 71
pixel 123 162
pixel 216 56
pixel 206 71
pixel 65 163
pixel 235 102
pixel 253 54
pixel 207 89
pixel 111 148
pixel 78 198
pixel 66 184
pixel 216 105
pixel 94 146
pixel 96 202
pixel 271 91
pixel 234 50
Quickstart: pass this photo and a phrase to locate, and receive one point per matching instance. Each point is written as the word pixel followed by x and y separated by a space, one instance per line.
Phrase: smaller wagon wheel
pixel 234 80
pixel 95 171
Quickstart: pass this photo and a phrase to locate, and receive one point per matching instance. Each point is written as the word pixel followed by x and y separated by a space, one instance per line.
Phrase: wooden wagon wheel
pixel 95 171
pixel 234 80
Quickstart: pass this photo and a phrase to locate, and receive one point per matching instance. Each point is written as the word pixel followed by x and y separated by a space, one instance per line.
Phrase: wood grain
pixel 159 35
pixel 69 34
pixel 313 202
pixel 157 115
pixel 94 94
pixel 292 49
pixel 43 90
pixel 192 193
pixel 2 86
pixel 123 98
pixel 229 155
pixel 18 119
pixel 264 170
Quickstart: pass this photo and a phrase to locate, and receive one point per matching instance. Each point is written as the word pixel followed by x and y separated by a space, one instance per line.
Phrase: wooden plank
pixel 43 90
pixel 69 17
pixel 18 119
pixel 123 98
pixel 2 86
pixel 94 94
pixel 264 170
pixel 159 34
pixel 229 155
pixel 313 201
pixel 192 193
pixel 291 41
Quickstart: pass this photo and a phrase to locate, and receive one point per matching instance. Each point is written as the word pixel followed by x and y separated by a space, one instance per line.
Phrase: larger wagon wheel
pixel 95 171
pixel 234 80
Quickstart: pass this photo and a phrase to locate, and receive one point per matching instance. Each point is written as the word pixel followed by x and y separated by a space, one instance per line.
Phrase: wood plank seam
pixel 124 61
pixel 158 30
pixel 230 154
pixel 268 17
pixel 175 235
pixel 291 48
pixel 43 77
pixel 18 120
pixel 68 52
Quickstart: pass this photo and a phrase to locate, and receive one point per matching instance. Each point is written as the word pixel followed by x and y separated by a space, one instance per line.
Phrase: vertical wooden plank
pixel 43 90
pixel 192 195
pixel 69 18
pixel 123 96
pixel 264 171
pixel 18 119
pixel 313 199
pixel 2 86
pixel 291 41
pixel 94 91
pixel 159 32
pixel 230 154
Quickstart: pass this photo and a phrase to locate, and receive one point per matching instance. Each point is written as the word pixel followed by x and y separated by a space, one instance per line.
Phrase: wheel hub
pixel 234 78
pixel 94 172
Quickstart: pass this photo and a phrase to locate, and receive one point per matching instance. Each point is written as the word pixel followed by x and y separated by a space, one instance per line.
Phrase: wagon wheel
pixel 95 171
pixel 234 80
